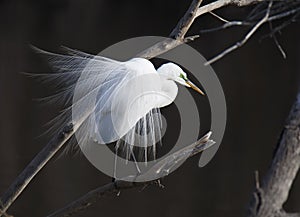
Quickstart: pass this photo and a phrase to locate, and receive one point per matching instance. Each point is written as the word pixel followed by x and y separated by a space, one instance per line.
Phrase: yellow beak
pixel 194 87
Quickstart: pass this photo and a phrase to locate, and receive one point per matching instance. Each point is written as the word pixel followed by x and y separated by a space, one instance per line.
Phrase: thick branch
pixel 186 21
pixel 179 32
pixel 268 199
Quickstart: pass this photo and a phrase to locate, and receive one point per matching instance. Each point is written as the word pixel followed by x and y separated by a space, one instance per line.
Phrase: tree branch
pixel 244 41
pixel 91 197
pixel 34 167
pixel 162 167
pixel 221 3
pixel 177 36
pixel 268 199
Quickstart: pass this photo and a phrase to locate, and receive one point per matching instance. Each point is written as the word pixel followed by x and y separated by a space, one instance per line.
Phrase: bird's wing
pixel 133 96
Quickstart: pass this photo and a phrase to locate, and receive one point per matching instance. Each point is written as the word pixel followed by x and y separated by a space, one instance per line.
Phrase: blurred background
pixel 259 84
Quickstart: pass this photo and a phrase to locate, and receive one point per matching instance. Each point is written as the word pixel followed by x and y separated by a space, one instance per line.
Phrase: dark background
pixel 260 87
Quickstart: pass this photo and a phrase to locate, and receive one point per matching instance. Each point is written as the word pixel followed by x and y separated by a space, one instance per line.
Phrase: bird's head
pixel 173 72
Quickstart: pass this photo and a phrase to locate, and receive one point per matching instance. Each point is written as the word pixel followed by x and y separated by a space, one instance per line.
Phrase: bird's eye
pixel 183 76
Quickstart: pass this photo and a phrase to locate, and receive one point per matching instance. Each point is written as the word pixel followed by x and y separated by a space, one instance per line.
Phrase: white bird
pixel 119 101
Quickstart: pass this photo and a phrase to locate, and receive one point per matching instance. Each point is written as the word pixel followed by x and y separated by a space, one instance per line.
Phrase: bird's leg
pixel 116 161
pixel 159 183
pixel 135 161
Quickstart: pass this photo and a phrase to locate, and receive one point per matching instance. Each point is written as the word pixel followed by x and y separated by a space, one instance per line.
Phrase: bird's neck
pixel 169 91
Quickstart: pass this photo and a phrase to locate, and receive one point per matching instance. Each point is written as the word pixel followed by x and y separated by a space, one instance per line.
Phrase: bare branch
pixel 114 188
pixel 219 17
pixel 186 21
pixel 279 11
pixel 273 35
pixel 281 26
pixel 176 36
pixel 91 197
pixel 226 26
pixel 35 166
pixel 242 42
pixel 222 3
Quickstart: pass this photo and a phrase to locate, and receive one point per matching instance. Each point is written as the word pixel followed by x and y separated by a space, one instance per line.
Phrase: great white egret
pixel 119 101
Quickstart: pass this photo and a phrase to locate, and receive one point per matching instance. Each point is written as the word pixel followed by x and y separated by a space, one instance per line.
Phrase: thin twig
pixel 284 14
pixel 281 26
pixel 219 17
pixel 242 42
pixel 226 26
pixel 221 3
pixel 273 35
pixel 250 21
pixel 279 8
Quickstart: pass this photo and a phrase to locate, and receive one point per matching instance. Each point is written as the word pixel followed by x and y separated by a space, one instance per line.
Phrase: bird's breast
pixel 168 93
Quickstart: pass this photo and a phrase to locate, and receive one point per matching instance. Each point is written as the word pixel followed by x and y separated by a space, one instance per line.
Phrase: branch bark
pixel 268 199
pixel 221 3
pixel 179 32
pixel 177 36
pixel 34 167
pixel 115 187
pixel 91 197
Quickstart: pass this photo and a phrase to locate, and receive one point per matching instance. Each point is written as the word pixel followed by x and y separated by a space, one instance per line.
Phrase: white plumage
pixel 115 101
